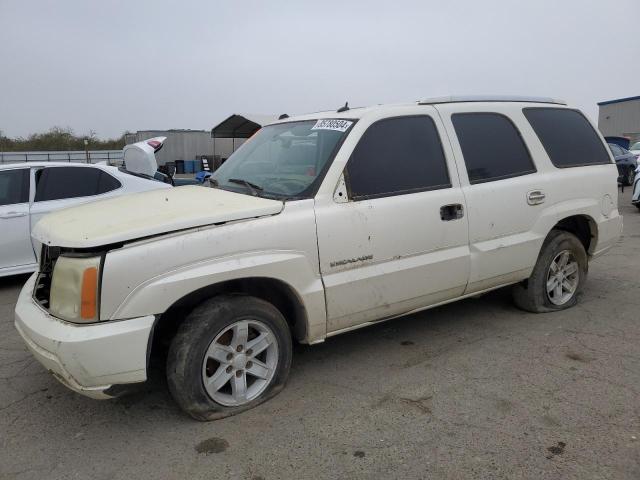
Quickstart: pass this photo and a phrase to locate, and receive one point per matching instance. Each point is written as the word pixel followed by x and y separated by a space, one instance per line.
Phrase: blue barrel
pixel 188 166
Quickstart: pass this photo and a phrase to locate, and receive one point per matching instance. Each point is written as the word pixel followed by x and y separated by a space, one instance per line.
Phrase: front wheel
pixel 230 354
pixel 558 276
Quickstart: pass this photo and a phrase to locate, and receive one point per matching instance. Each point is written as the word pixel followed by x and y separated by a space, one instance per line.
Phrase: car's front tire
pixel 558 276
pixel 230 354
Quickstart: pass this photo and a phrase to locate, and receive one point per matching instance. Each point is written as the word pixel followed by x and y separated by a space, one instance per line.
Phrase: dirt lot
pixel 476 389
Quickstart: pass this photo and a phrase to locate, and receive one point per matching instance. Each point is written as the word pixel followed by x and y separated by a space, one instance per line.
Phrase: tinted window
pixel 14 186
pixel 107 183
pixel 492 147
pixel 567 136
pixel 55 183
pixel 397 155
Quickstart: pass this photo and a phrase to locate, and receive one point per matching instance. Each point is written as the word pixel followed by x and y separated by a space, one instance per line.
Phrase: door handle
pixel 535 197
pixel 13 215
pixel 454 211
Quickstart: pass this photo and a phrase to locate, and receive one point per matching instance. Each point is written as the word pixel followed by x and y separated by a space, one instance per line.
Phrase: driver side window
pixel 397 156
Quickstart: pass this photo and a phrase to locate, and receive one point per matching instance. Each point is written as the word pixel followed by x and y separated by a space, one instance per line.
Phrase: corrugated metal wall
pixel 620 119
pixel 185 144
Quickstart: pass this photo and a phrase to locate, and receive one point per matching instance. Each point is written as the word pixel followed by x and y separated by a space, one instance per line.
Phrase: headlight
pixel 74 289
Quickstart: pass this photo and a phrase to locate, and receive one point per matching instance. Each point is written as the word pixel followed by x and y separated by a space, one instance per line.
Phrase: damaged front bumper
pixel 93 359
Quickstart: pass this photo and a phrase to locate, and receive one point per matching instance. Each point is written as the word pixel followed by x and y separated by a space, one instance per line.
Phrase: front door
pixel 15 248
pixel 395 239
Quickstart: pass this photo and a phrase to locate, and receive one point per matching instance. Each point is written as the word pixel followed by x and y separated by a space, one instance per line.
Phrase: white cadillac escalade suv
pixel 318 225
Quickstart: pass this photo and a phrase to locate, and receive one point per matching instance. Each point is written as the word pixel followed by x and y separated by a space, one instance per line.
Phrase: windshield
pixel 635 146
pixel 285 160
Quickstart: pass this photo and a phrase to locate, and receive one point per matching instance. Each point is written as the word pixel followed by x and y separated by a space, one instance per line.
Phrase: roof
pixel 618 100
pixel 245 125
pixel 241 125
pixel 50 164
pixel 490 98
pixel 361 112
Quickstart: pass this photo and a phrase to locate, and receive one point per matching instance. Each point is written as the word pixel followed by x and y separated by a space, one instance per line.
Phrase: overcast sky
pixel 112 66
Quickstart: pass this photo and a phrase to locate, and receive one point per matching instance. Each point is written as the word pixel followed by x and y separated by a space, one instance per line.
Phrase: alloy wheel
pixel 240 363
pixel 562 278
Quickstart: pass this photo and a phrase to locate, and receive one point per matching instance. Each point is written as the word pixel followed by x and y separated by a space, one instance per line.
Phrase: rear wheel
pixel 558 276
pixel 230 354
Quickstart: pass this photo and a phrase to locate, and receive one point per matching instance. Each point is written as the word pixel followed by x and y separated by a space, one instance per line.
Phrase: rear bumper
pixel 88 359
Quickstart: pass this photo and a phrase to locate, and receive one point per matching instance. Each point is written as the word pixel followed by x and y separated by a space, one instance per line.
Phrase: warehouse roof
pixel 619 100
pixel 241 125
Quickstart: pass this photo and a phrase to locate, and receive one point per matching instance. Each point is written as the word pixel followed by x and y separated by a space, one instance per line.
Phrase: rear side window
pixel 492 147
pixel 396 156
pixel 56 183
pixel 107 183
pixel 567 136
pixel 14 186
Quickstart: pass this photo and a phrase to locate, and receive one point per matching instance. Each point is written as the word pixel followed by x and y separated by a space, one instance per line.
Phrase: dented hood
pixel 139 215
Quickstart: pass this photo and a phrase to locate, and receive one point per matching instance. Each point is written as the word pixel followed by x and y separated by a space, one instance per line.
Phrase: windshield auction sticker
pixel 332 124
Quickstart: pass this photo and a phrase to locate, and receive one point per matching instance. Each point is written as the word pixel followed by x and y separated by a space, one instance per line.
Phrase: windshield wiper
pixel 252 187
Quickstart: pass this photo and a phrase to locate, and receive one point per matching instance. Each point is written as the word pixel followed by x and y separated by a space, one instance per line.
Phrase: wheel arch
pixel 277 292
pixel 582 226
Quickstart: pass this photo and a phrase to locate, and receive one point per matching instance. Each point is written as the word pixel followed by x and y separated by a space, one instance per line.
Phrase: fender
pixel 155 295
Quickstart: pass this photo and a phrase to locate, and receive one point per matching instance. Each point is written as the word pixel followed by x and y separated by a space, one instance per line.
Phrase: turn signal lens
pixel 89 293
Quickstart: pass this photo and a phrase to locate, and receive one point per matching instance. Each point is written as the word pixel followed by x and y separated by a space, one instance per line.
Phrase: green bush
pixel 58 139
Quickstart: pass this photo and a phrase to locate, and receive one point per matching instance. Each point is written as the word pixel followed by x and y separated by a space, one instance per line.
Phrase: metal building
pixel 620 118
pixel 179 145
pixel 234 131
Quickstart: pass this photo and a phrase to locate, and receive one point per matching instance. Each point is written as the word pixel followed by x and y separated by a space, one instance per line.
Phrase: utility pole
pixel 86 149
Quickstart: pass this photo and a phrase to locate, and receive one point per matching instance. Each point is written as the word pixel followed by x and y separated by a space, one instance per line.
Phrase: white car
pixel 320 224
pixel 30 190
pixel 635 197
pixel 635 149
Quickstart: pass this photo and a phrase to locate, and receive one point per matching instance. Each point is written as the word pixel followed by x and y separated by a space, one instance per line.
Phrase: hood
pixel 139 215
pixel 140 157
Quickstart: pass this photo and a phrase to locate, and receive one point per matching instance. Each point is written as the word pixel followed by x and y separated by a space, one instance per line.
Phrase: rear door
pixel 394 238
pixel 504 191
pixel 61 187
pixel 15 247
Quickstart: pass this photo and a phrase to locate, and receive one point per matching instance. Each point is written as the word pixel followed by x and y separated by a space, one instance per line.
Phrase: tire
pixel 532 295
pixel 213 328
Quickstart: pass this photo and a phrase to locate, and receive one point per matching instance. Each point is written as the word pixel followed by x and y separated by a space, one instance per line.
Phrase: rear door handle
pixel 454 211
pixel 535 197
pixel 13 215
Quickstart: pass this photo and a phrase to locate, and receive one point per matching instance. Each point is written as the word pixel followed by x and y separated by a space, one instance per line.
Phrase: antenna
pixel 283 116
pixel 343 109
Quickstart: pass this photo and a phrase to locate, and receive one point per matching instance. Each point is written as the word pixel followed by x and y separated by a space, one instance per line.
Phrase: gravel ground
pixel 475 389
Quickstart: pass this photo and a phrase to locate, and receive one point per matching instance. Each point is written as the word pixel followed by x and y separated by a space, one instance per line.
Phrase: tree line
pixel 59 139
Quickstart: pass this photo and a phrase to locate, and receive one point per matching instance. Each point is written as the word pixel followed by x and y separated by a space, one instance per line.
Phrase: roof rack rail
pixel 490 98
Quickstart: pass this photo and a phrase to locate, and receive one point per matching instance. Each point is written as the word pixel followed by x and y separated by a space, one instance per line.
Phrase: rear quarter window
pixel 567 136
